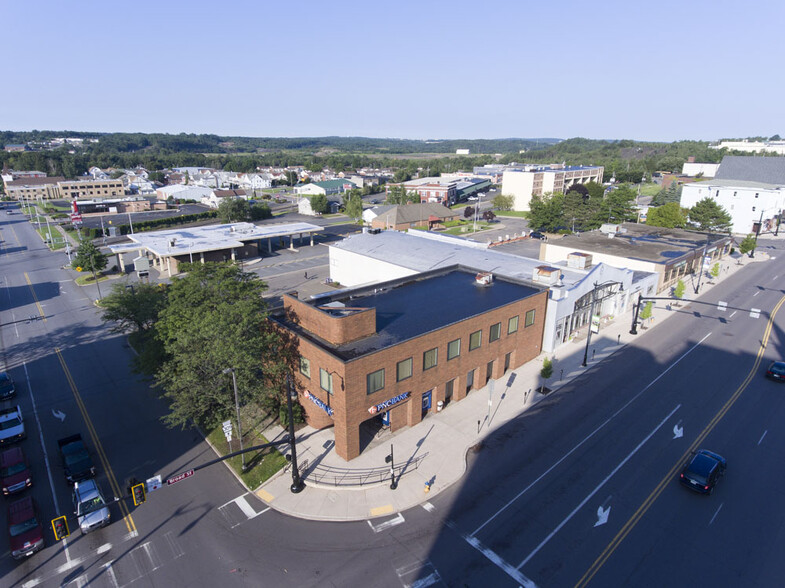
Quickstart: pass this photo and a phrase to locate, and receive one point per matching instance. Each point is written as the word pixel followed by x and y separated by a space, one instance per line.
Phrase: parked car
pixel 537 235
pixel 776 371
pixel 7 388
pixel 24 529
pixel 12 425
pixel 90 506
pixel 15 473
pixel 703 471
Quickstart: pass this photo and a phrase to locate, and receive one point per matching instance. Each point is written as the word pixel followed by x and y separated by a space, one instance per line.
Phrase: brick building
pixel 389 354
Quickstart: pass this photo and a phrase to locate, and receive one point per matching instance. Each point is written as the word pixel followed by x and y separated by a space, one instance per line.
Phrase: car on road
pixel 77 463
pixel 90 506
pixel 24 528
pixel 15 473
pixel 12 425
pixel 537 235
pixel 776 371
pixel 702 472
pixel 7 388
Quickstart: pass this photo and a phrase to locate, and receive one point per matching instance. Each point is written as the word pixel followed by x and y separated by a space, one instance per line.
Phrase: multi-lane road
pixel 580 491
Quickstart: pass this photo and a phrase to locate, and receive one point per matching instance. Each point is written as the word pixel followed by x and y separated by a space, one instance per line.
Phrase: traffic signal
pixel 138 493
pixel 60 526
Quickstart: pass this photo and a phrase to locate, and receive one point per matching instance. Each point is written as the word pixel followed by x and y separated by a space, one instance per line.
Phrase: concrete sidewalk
pixel 435 449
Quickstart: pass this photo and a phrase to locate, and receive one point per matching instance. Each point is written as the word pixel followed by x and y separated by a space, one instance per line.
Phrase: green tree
pixel 678 289
pixel 595 190
pixel 715 270
pixel 320 204
pixel 646 311
pixel 748 244
pixel 579 210
pixel 88 257
pixel 353 206
pixel 231 210
pixel 546 211
pixel 620 205
pixel 502 202
pixel 260 212
pixel 133 308
pixel 710 216
pixel 215 318
pixel 546 372
pixel 670 194
pixel 668 215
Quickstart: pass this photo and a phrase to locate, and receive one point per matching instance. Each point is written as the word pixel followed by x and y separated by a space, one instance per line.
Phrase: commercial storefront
pixel 392 354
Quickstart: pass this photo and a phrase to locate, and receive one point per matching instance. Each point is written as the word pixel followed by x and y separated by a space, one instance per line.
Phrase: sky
pixel 642 70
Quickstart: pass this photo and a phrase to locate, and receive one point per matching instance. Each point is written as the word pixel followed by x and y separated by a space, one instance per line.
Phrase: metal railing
pixel 333 476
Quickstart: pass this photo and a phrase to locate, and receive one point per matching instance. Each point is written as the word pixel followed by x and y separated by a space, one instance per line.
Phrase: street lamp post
pixel 297 484
pixel 700 262
pixel 391 460
pixel 237 408
pixel 634 329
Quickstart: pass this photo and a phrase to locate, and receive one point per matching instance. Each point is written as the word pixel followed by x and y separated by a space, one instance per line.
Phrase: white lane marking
pixel 110 574
pixel 775 277
pixel 155 562
pixel 589 436
pixel 32 583
pixel 731 314
pixel 82 581
pixel 496 560
pixel 597 488
pixel 429 580
pixel 46 457
pixel 762 436
pixel 419 568
pixel 103 548
pixel 177 551
pixel 247 508
pixel 397 520
pixel 716 513
pixel 131 535
pixel 756 293
pixel 428 506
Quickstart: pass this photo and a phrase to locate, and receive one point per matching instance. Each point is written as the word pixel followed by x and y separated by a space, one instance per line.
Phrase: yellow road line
pixel 129 521
pixel 32 291
pixel 633 520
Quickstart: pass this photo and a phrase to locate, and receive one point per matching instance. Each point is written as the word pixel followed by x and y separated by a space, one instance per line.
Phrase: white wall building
pixel 747 202
pixel 752 146
pixel 522 185
pixel 707 170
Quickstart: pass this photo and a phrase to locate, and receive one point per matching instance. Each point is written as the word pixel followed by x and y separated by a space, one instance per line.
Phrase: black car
pixel 776 371
pixel 7 388
pixel 703 471
pixel 537 235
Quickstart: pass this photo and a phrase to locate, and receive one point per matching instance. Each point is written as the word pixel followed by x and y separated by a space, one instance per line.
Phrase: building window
pixel 325 380
pixel 429 358
pixel 404 369
pixel 453 349
pixel 475 340
pixel 305 367
pixel 375 381
pixel 512 325
pixel 494 332
pixel 529 320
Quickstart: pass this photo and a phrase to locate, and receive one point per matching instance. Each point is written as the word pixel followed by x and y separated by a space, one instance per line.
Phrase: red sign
pixel 179 477
pixel 76 217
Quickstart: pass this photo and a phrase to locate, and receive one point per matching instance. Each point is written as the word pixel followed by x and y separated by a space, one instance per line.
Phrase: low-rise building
pixel 407 216
pixel 391 354
pixel 36 188
pixel 523 184
pixel 90 189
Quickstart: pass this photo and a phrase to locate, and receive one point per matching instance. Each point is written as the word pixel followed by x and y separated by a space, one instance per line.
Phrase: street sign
pixel 179 477
pixel 227 427
pixel 595 323
pixel 153 483
pixel 76 217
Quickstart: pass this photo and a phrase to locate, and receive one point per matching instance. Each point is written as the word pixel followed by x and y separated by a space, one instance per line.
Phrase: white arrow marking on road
pixel 58 415
pixel 678 431
pixel 602 515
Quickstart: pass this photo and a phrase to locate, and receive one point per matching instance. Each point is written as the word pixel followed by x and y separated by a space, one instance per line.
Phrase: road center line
pixel 716 513
pixel 597 488
pixel 589 436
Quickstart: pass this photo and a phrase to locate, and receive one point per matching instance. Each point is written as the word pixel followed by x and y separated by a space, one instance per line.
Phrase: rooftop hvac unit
pixel 546 275
pixel 579 260
pixel 484 278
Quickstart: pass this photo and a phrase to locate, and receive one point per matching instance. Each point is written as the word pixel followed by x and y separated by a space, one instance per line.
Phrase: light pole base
pixel 298 487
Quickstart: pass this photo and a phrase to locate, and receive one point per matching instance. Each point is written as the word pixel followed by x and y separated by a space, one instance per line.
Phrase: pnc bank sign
pixel 389 403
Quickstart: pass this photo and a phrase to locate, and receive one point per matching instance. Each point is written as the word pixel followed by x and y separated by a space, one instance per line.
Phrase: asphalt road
pixel 526 513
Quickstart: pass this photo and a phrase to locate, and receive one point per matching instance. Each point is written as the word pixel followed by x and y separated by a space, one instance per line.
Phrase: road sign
pixel 153 483
pixel 179 477
pixel 227 427
pixel 595 323
pixel 76 217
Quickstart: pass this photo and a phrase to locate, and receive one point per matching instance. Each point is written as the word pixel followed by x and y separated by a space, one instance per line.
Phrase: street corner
pixel 264 496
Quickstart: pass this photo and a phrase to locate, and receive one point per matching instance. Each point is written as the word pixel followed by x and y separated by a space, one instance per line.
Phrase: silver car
pixel 91 509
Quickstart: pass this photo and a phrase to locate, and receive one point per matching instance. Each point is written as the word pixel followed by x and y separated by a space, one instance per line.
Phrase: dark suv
pixel 703 471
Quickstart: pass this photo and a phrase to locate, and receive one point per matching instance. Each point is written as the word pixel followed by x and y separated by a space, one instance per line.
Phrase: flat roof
pixel 416 305
pixel 209 238
pixel 642 242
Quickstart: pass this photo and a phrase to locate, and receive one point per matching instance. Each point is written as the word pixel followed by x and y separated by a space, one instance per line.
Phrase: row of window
pixel 430 358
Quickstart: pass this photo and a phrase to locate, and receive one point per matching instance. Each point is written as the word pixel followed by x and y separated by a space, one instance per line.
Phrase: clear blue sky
pixel 664 70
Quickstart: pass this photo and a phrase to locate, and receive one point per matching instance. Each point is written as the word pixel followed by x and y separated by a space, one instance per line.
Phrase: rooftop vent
pixel 579 260
pixel 484 278
pixel 546 275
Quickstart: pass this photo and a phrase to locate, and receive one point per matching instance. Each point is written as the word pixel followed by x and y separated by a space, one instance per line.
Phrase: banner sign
pixel 318 402
pixel 389 403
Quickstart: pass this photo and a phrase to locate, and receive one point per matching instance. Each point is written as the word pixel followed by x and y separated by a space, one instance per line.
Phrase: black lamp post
pixel 700 262
pixel 389 459
pixel 634 329
pixel 297 484
pixel 591 315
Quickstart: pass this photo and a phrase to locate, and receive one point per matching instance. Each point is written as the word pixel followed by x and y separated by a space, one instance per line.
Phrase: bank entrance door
pixel 426 402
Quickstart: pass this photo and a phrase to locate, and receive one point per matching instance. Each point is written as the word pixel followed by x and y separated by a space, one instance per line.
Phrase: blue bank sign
pixel 387 404
pixel 318 402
